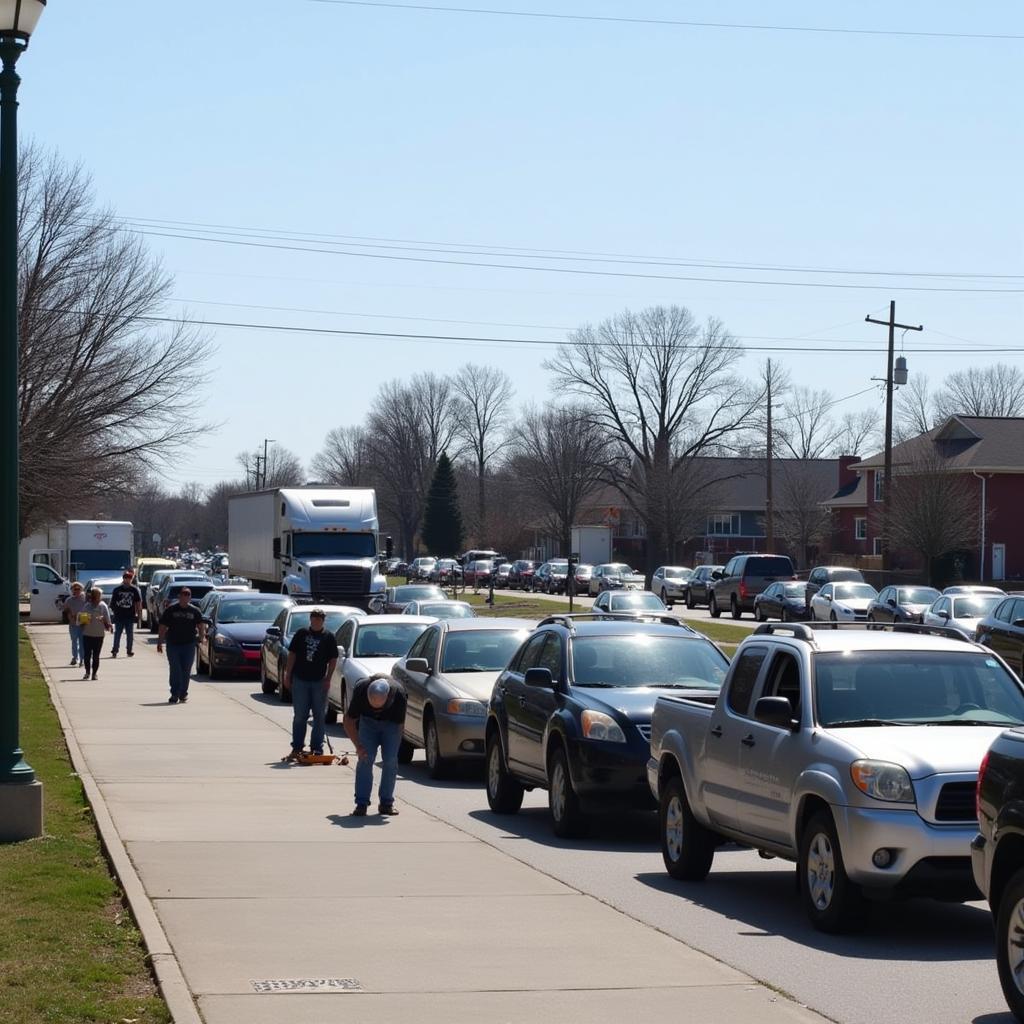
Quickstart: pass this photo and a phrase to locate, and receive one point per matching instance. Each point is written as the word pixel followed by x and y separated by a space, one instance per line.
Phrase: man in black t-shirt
pixel 180 624
pixel 126 607
pixel 374 719
pixel 312 655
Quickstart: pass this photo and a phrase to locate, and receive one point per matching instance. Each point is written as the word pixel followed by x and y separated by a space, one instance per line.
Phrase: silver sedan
pixel 961 611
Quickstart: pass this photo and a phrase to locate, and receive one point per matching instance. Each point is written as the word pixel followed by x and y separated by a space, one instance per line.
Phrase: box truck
pixel 593 544
pixel 314 543
pixel 96 549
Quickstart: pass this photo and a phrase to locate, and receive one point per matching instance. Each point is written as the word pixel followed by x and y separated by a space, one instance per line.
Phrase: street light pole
pixel 21 795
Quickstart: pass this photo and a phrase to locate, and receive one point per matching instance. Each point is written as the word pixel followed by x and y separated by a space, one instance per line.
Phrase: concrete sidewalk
pixel 261 901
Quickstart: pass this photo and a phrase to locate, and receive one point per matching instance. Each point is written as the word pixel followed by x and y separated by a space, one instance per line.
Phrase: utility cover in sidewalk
pixel 308 985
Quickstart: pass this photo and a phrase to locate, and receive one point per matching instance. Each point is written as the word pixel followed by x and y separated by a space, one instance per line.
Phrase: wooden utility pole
pixel 887 478
pixel 769 510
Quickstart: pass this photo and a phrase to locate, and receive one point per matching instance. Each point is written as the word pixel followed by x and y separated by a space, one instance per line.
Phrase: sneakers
pixel 94 675
pixel 113 654
pixel 86 676
pixel 183 699
pixel 360 811
pixel 172 700
pixel 131 654
pixel 390 810
pixel 74 662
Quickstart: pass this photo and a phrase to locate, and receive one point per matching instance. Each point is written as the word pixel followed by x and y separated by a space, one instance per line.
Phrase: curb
pixel 169 977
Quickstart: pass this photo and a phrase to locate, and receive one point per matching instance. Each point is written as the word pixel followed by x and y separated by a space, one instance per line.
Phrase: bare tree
pixel 559 454
pixel 858 433
pixel 283 468
pixel 345 459
pixel 800 518
pixel 914 408
pixel 661 388
pixel 996 390
pixel 484 396
pixel 105 392
pixel 805 428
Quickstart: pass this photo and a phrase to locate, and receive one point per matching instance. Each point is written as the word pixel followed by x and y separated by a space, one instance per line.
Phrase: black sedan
pixel 785 601
pixel 235 632
pixel 278 638
pixel 697 589
pixel 1003 630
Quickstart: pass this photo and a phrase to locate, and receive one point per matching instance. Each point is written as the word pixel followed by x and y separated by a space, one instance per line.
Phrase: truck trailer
pixel 312 543
pixel 593 544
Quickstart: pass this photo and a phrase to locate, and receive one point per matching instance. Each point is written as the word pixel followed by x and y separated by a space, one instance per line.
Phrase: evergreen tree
pixel 442 519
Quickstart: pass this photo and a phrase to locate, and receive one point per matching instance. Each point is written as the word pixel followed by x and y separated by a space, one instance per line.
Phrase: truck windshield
pixel 89 560
pixel 334 545
pixel 916 688
pixel 647 660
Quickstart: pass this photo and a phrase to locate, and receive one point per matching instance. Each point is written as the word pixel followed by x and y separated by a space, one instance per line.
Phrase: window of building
pixel 723 524
pixel 860 528
pixel 878 546
pixel 879 482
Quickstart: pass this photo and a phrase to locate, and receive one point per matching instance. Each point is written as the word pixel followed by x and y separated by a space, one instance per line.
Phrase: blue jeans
pixel 76 642
pixel 128 628
pixel 308 696
pixel 179 660
pixel 387 736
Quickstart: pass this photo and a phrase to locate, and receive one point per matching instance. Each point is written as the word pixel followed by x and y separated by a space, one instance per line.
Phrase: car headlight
pixel 459 706
pixel 883 780
pixel 599 726
pixel 223 640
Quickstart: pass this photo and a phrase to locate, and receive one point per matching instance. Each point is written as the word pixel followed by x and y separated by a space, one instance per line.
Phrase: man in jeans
pixel 373 720
pixel 126 604
pixel 312 655
pixel 182 624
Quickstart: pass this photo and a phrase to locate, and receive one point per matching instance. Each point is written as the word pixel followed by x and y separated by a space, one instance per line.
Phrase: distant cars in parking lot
pixel 668 581
pixel 822 574
pixel 582 573
pixel 477 574
pixel 420 569
pixel 521 573
pixel 153 599
pixel 697 589
pixel 615 576
pixel 551 577
pixel 441 609
pixel 629 601
pixel 445 572
pixel 743 578
pixel 502 573
pixel 785 601
pixel 962 609
pixel 168 595
pixel 901 604
pixel 843 602
pixel 396 598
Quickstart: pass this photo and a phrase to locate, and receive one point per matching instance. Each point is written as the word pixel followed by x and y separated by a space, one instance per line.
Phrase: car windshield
pixel 794 589
pixel 198 591
pixel 852 591
pixel 448 610
pixel 146 573
pixel 387 639
pixel 976 606
pixel 918 687
pixel 480 650
pixel 916 595
pixel 646 660
pixel 584 567
pixel 769 565
pixel 618 569
pixel 414 593
pixel 334 545
pixel 674 572
pixel 630 602
pixel 263 610
pixel 840 575
pixel 300 620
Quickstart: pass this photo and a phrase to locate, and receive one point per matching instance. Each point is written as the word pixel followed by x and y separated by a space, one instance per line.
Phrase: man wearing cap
pixel 312 655
pixel 373 720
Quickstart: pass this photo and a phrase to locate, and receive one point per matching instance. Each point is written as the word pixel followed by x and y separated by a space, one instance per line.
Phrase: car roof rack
pixel 568 619
pixel 806 630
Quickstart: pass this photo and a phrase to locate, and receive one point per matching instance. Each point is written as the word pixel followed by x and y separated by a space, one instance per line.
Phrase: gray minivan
pixel 743 578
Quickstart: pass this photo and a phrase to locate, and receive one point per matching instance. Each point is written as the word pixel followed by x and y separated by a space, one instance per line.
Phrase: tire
pixel 713 610
pixel 567 817
pixel 1009 936
pixel 437 766
pixel 664 598
pixel 151 622
pixel 405 752
pixel 213 672
pixel 759 616
pixel 785 615
pixel 690 603
pixel 504 794
pixel 687 847
pixel 734 608
pixel 832 902
pixel 266 685
pixel 331 714
pixel 283 695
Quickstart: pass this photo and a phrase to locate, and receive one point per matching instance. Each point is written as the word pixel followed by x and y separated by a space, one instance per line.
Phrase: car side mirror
pixel 389 547
pixel 828 597
pixel 891 602
pixel 1018 622
pixel 717 575
pixel 539 677
pixel 274 632
pixel 419 665
pixel 943 614
pixel 774 711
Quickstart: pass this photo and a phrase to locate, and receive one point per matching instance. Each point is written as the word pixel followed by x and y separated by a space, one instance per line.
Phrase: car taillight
pixel 743 590
pixel 977 791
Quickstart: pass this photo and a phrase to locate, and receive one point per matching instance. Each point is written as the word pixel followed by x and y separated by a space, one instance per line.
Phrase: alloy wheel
pixel 558 794
pixel 1015 945
pixel 674 828
pixel 821 871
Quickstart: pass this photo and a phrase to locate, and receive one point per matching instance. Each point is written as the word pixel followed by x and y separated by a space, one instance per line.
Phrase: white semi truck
pixel 313 543
pixel 593 544
pixel 99 548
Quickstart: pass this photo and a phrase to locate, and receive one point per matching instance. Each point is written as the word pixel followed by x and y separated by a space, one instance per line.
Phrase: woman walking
pixel 73 607
pixel 95 621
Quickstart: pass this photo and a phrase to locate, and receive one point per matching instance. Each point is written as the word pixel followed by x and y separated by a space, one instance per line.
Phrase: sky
pixel 338 167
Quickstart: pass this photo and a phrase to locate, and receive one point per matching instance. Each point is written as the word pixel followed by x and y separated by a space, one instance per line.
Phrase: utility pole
pixel 256 483
pixel 266 441
pixel 769 508
pixel 887 477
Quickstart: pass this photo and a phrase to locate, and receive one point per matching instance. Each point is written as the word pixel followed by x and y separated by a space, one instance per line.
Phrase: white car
pixel 367 645
pixel 962 610
pixel 843 602
pixel 970 588
pixel 636 602
pixel 668 582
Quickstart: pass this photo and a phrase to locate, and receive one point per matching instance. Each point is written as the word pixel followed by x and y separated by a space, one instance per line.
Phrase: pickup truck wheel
pixel 832 902
pixel 1010 943
pixel 734 608
pixel 568 818
pixel 405 752
pixel 687 847
pixel 713 610
pixel 504 794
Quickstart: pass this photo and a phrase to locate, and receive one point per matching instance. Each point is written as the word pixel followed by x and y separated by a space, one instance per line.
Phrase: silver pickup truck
pixel 853 752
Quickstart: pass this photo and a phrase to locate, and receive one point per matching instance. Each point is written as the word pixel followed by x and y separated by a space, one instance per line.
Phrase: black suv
pixel 572 712
pixel 743 578
pixel 1003 630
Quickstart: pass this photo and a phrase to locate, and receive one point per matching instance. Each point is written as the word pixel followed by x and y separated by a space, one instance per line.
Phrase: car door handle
pixel 747 741
pixel 522 702
pixel 717 732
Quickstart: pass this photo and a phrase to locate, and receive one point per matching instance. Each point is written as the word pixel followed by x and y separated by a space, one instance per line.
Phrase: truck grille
pixel 956 802
pixel 333 583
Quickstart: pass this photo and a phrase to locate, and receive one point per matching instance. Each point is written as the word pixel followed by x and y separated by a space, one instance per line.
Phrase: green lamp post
pixel 21 797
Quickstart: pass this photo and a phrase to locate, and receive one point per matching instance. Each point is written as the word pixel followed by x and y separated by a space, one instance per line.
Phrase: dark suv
pixel 743 578
pixel 572 712
pixel 822 574
pixel 697 589
pixel 1003 630
pixel 521 573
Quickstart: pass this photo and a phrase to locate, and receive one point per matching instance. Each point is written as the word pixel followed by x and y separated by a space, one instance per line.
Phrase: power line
pixel 751 27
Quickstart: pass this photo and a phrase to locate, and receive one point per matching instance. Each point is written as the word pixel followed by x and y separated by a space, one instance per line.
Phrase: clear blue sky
pixel 866 152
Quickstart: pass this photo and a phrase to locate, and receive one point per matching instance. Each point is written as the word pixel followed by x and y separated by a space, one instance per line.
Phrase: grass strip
pixel 69 950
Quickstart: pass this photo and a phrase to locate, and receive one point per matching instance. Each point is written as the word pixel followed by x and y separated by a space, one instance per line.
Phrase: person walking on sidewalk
pixel 126 602
pixel 95 621
pixel 73 606
pixel 312 655
pixel 181 624
pixel 373 720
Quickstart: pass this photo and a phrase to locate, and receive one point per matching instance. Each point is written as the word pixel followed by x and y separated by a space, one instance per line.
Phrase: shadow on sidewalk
pixel 348 821
pixel 625 832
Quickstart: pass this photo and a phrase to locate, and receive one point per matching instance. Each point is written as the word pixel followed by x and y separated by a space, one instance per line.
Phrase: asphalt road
pixel 919 962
